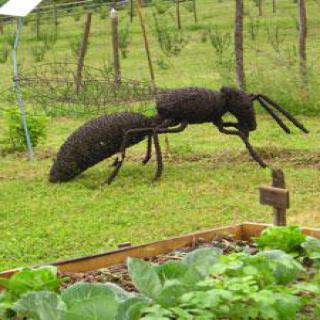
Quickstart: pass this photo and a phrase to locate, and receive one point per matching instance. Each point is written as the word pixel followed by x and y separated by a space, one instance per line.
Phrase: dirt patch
pixel 297 158
pixel 119 274
pixel 39 153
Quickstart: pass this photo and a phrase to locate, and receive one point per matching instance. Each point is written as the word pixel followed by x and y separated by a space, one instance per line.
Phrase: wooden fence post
pixel 83 49
pixel 146 43
pixel 115 45
pixel 195 11
pixel 276 196
pixel 1 27
pixel 279 214
pixel 131 11
pixel 274 6
pixel 55 17
pixel 178 14
pixel 239 45
pixel 303 41
pixel 38 24
pixel 260 7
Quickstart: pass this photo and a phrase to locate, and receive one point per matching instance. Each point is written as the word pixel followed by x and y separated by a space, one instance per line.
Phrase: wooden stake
pixel 178 14
pixel 83 49
pixel 55 17
pixel 195 11
pixel 279 213
pixel 260 7
pixel 146 43
pixel 239 45
pixel 276 196
pixel 303 32
pixel 131 11
pixel 115 45
pixel 274 6
pixel 38 25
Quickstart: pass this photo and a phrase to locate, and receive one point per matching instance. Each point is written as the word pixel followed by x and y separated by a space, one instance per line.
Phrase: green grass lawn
pixel 270 48
pixel 209 181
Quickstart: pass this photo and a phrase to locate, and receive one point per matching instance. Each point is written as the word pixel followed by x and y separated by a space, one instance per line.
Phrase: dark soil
pixel 119 274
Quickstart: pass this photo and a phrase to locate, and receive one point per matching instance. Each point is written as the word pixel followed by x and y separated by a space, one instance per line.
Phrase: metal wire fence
pixel 200 54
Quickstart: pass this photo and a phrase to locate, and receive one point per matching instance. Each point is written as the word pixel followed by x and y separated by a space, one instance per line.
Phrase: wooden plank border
pixel 118 256
pixel 244 231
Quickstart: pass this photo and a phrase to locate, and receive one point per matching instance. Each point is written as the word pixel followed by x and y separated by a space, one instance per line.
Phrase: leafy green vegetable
pixel 288 239
pixel 145 277
pixel 284 267
pixel 312 248
pixel 204 285
pixel 132 308
pixel 202 260
pixel 41 305
pixel 24 281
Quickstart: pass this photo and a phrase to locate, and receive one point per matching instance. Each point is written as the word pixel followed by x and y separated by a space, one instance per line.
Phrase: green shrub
pixel 15 136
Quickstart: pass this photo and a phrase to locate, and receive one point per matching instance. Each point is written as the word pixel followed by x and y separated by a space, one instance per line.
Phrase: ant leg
pixel 115 162
pixel 250 149
pixel 180 128
pixel 121 154
pixel 159 130
pixel 149 150
pixel 158 156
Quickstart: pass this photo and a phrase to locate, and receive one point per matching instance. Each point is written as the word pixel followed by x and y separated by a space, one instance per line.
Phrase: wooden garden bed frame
pixel 244 231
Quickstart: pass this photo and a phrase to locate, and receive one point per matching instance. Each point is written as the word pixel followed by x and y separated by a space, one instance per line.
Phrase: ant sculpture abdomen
pixel 95 141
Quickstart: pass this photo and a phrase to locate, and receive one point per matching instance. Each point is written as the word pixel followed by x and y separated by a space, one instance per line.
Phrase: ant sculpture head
pixel 240 104
pixel 62 171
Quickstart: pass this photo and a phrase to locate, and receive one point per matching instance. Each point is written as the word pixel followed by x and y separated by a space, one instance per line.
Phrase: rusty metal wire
pixel 53 87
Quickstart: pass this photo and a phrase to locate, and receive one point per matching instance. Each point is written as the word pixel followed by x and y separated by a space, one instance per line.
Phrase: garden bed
pixel 214 276
pixel 244 231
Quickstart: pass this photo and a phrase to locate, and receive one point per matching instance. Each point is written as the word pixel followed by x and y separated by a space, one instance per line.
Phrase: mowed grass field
pixel 271 48
pixel 208 180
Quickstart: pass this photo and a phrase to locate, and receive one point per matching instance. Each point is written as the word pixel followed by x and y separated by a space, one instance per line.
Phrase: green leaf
pixel 119 293
pixel 202 260
pixel 90 301
pixel 131 309
pixel 288 239
pixel 284 267
pixel 312 248
pixel 145 277
pixel 171 270
pixel 170 295
pixel 97 308
pixel 80 292
pixel 40 305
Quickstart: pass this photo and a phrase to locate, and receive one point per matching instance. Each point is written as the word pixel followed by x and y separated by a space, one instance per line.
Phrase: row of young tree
pixel 239 52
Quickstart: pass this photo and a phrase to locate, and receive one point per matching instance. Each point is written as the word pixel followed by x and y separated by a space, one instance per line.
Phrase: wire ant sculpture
pixel 112 134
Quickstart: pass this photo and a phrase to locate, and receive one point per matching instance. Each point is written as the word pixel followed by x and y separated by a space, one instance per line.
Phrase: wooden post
pixel 115 45
pixel 131 11
pixel 146 43
pixel 195 11
pixel 303 41
pixel 260 7
pixel 83 49
pixel 55 17
pixel 274 6
pixel 277 196
pixel 1 27
pixel 38 24
pixel 279 213
pixel 178 14
pixel 239 45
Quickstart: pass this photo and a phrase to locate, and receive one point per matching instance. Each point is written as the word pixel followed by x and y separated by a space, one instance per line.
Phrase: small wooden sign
pixel 276 197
